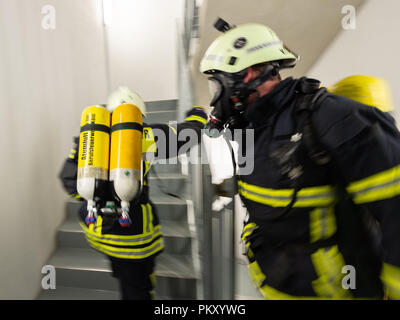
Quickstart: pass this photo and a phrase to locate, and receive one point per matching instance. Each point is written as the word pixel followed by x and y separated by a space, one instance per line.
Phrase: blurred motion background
pixel 49 75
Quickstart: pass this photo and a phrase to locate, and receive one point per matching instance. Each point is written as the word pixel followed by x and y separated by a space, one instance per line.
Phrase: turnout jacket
pixel 143 238
pixel 366 148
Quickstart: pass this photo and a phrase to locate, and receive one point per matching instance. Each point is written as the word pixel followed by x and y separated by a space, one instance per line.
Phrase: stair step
pixel 167 265
pixel 161 105
pixel 87 268
pixel 69 293
pixel 173 166
pixel 173 183
pixel 163 116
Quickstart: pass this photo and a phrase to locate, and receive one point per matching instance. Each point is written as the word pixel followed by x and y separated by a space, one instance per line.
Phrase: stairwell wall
pixel 47 76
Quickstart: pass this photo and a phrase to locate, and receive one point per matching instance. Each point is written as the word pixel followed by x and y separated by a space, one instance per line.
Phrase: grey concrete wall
pixel 47 77
pixel 142 42
pixel 370 49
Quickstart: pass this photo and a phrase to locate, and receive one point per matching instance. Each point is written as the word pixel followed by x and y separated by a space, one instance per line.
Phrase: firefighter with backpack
pixel 131 245
pixel 324 194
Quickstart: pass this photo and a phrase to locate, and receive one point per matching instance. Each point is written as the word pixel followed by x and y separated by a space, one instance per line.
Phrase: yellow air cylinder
pixel 126 155
pixel 93 161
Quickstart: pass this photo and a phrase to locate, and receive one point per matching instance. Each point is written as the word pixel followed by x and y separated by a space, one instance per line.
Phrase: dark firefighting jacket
pixel 143 238
pixel 284 217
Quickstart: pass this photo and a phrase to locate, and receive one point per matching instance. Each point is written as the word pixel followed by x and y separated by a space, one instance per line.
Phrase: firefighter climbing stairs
pixel 83 273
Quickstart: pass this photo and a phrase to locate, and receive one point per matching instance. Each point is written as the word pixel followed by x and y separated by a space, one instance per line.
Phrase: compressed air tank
pixel 126 156
pixel 93 161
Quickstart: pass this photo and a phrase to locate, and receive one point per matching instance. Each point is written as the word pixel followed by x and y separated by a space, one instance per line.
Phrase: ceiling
pixel 306 26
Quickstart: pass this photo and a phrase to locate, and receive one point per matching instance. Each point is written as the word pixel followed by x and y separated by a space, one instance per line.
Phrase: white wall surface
pixel 46 78
pixel 372 48
pixel 142 40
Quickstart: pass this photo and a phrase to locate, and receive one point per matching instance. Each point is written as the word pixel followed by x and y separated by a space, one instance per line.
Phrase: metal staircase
pixel 83 273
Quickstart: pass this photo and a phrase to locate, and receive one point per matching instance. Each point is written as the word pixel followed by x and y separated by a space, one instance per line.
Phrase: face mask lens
pixel 215 89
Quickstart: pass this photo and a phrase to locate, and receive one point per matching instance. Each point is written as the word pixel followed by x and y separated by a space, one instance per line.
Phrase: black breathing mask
pixel 229 98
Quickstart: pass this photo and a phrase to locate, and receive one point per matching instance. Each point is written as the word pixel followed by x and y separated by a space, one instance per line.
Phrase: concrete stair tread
pixel 178 229
pixel 167 200
pixel 167 265
pixel 73 293
pixel 167 176
pixel 170 228
pixel 80 259
pixel 161 105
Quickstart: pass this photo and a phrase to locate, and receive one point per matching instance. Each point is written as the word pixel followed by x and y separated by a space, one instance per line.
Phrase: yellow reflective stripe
pixel 99 224
pixel 256 275
pixel 266 191
pixel 269 293
pixel 173 129
pixel 90 230
pixel 391 278
pixel 251 225
pixel 248 230
pixel 148 141
pixel 380 193
pixel 375 180
pixel 322 223
pixel 128 253
pixel 382 185
pixel 147 166
pixel 196 118
pixel 152 279
pixel 71 156
pixel 73 151
pixel 328 264
pixel 306 197
pixel 75 195
pixel 124 242
pixel 305 192
pixel 150 210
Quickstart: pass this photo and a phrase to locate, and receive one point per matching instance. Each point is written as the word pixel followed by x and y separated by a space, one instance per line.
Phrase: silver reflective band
pixel 264 45
pixel 377 187
pixel 214 57
pixel 147 218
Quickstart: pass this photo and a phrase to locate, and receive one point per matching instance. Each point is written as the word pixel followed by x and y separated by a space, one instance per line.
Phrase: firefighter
pixel 132 249
pixel 323 196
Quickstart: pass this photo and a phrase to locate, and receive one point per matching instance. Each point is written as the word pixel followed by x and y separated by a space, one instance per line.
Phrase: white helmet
pixel 243 46
pixel 123 95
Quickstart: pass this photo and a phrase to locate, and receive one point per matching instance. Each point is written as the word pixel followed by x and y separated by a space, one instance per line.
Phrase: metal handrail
pixel 213 231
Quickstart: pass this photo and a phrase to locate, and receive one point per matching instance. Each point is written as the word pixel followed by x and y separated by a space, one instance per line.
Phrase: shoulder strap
pixel 306 105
